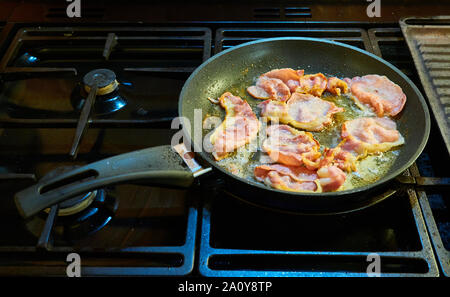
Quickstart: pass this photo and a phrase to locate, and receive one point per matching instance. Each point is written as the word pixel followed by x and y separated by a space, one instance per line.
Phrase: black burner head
pixel 76 204
pixel 105 80
pixel 73 205
pixel 79 216
pixel 108 100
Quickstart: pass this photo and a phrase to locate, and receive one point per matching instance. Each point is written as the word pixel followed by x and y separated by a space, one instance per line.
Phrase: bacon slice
pixel 289 76
pixel 381 94
pixel 277 84
pixel 342 156
pixel 300 179
pixel 331 178
pixel 302 111
pixel 373 135
pixel 288 178
pixel 361 137
pixel 270 88
pixel 314 84
pixel 337 86
pixel 290 146
pixel 239 127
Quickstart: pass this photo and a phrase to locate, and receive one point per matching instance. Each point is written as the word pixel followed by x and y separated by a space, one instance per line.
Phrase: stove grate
pixel 390 44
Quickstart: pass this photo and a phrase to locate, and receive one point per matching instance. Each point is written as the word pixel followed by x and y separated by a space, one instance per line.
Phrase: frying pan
pixel 236 69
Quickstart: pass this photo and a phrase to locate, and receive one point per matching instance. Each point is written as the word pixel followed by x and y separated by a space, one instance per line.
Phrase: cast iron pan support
pixel 83 121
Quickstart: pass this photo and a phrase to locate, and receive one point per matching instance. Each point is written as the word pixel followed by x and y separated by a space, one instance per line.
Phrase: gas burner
pixel 105 80
pixel 77 217
pixel 108 99
pixel 76 204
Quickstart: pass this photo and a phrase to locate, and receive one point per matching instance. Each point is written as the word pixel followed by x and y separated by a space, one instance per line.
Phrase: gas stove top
pixel 134 229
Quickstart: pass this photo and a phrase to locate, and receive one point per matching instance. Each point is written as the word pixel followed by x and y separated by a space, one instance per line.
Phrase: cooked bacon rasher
pixel 270 88
pixel 337 86
pixel 301 111
pixel 289 76
pixel 288 178
pixel 239 127
pixel 314 84
pixel 299 178
pixel 280 84
pixel 290 146
pixel 382 95
pixel 360 137
pixel 277 84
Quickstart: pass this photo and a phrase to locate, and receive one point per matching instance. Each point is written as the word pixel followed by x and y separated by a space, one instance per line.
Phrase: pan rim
pixel 380 182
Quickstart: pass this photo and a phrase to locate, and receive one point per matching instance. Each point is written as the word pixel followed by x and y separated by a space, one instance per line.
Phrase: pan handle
pixel 156 166
pixel 424 182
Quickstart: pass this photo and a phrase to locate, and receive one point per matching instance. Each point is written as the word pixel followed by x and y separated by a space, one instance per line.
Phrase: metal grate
pixel 306 246
pixel 297 12
pixel 228 37
pixel 390 44
pixel 52 47
pixel 136 261
pixel 160 57
pixel 152 231
pixel 148 61
pixel 429 42
pixel 436 214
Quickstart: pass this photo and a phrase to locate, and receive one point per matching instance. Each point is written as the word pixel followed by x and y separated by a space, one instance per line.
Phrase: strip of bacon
pixel 289 76
pixel 331 178
pixel 300 179
pixel 290 146
pixel 381 94
pixel 301 111
pixel 361 137
pixel 288 178
pixel 314 84
pixel 337 86
pixel 239 127
pixel 342 156
pixel 277 84
pixel 373 135
pixel 270 88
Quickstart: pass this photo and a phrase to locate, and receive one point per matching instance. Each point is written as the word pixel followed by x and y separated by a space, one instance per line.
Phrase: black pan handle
pixel 159 166
pixel 424 182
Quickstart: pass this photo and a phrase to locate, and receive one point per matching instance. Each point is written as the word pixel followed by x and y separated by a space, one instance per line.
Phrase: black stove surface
pixel 140 230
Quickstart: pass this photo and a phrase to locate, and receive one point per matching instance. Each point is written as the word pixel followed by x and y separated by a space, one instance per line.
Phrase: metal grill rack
pixel 159 55
pixel 155 54
pixel 45 256
pixel 429 41
pixel 390 44
pixel 228 37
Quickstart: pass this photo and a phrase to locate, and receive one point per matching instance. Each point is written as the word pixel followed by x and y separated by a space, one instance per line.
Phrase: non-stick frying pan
pixel 236 68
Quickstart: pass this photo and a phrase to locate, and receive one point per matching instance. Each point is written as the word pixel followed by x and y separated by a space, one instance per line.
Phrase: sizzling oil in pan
pixel 243 161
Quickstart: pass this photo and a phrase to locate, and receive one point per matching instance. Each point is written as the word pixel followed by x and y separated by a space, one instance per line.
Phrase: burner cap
pixel 77 220
pixel 105 80
pixel 109 98
pixel 72 205
pixel 75 205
